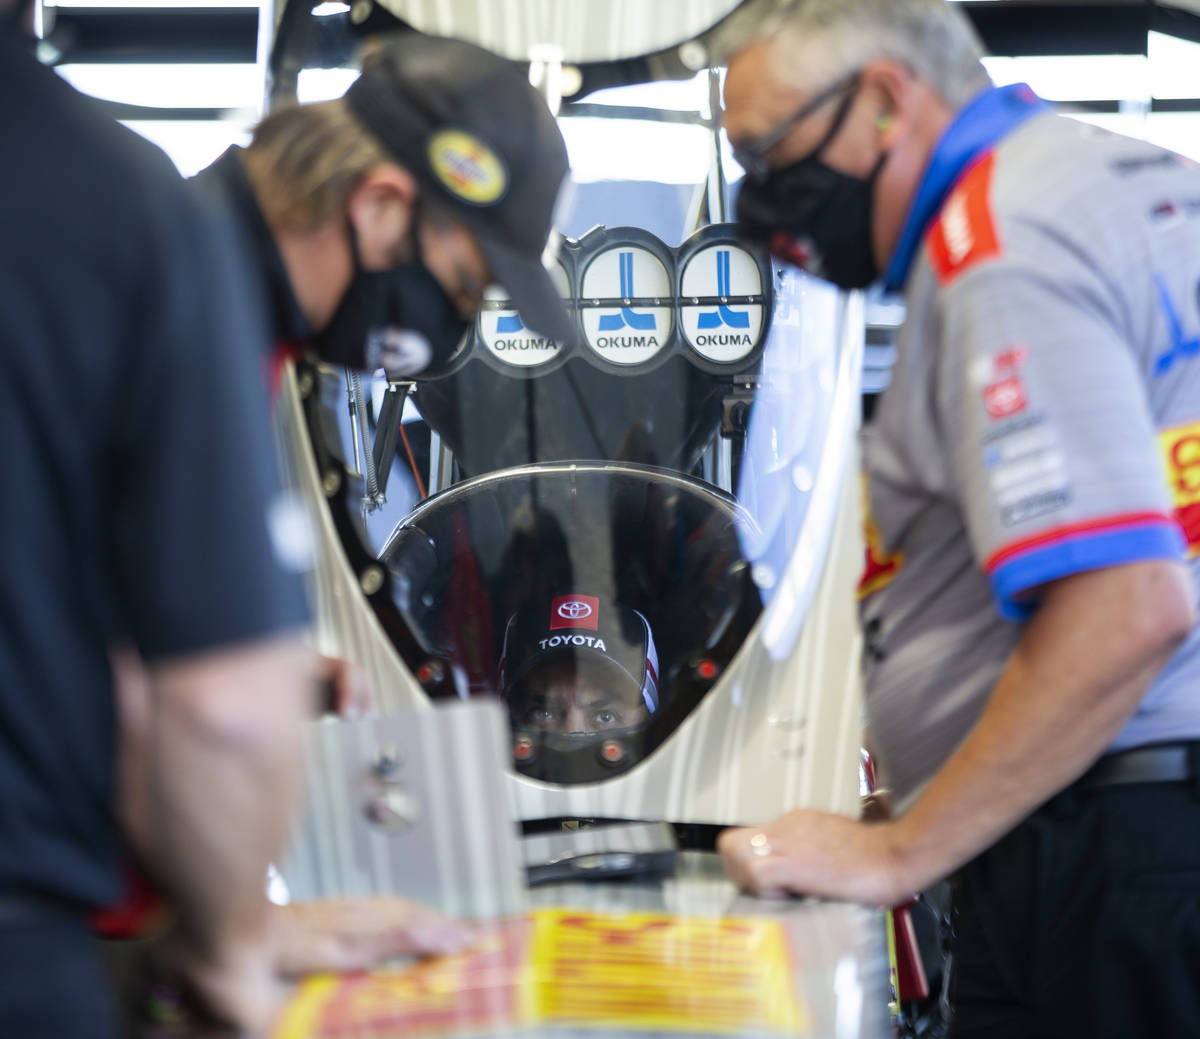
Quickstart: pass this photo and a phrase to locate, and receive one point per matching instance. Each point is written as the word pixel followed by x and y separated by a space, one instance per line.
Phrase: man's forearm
pixel 1078 674
pixel 223 765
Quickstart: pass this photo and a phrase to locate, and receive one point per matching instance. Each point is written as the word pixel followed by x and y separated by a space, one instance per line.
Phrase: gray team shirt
pixel 1043 419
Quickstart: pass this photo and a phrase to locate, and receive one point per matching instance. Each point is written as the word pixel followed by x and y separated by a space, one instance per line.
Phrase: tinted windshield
pixel 591 530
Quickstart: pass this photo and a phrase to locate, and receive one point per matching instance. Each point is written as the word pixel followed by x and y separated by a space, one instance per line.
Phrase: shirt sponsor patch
pixel 1155 160
pixel 1027 471
pixel 880 568
pixel 965 234
pixel 1181 451
pixel 1018 444
pixel 1005 398
pixel 1033 506
pixel 1003 365
pixel 1183 347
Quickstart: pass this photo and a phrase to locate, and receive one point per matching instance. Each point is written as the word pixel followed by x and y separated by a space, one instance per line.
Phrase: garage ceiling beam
pixel 157 35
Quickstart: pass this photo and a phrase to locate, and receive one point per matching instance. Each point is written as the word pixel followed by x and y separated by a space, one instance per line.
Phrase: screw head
pixel 371 579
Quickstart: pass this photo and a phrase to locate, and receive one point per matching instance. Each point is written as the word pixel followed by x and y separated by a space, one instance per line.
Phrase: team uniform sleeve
pixel 1043 407
pixel 198 486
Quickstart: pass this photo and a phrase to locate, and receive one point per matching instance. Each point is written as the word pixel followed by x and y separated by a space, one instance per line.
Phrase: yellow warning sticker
pixel 482 990
pixel 467 167
pixel 620 972
pixel 652 972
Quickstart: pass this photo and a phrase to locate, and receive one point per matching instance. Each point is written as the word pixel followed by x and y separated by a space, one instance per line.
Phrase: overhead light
pixel 168 85
pixel 323 84
pixel 1077 77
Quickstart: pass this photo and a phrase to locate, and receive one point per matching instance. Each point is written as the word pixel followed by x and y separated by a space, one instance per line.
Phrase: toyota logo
pixel 574 610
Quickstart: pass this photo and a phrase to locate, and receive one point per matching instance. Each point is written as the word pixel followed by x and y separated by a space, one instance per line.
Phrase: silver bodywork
pixel 781 727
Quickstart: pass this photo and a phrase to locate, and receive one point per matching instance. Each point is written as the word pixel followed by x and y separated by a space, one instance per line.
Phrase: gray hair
pixel 823 40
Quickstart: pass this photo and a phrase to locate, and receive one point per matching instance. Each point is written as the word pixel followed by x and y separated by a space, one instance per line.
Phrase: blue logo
pixel 1181 349
pixel 723 316
pixel 506 324
pixel 627 316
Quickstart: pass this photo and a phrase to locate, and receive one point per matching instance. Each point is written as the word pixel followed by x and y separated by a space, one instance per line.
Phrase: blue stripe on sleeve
pixel 1078 553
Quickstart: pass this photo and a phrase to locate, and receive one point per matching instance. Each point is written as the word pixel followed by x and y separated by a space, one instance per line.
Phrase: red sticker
pixel 1010 360
pixel 1004 398
pixel 575 611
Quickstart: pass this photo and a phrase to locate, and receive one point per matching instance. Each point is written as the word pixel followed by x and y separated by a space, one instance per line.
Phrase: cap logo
pixel 467 167
pixel 575 611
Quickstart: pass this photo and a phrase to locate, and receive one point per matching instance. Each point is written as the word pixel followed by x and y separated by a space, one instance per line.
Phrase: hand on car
pixel 815 853
pixel 347 934
pixel 348 687
pixel 217 995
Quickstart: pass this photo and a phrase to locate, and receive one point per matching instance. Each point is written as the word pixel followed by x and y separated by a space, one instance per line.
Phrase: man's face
pixel 760 101
pixel 878 126
pixel 556 698
pixel 455 259
pixel 387 215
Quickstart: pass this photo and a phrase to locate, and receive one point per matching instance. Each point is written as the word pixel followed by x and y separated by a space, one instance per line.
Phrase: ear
pixel 381 208
pixel 887 87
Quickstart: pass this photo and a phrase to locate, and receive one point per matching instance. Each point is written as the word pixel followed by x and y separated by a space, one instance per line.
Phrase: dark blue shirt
pixel 138 467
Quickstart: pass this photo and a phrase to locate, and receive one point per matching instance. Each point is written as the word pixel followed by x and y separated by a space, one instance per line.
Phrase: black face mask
pixel 815 217
pixel 400 320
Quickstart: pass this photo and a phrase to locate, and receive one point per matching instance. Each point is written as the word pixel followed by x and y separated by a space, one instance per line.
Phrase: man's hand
pixel 816 853
pixel 1084 662
pixel 348 934
pixel 185 996
pixel 347 686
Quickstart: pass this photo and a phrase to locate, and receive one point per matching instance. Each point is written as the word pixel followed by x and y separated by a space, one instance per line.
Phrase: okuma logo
pixel 509 339
pixel 627 317
pixel 722 302
pixel 723 317
pixel 527 339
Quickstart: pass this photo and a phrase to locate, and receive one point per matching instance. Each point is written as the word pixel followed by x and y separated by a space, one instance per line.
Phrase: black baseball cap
pixel 590 630
pixel 473 131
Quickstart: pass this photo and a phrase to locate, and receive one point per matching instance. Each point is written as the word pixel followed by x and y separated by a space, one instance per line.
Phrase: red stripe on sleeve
pixel 1060 534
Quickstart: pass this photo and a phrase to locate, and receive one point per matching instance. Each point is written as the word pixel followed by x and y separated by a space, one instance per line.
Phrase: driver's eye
pixel 541 717
pixel 607 719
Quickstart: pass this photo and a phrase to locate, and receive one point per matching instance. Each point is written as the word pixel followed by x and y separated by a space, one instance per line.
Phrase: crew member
pixel 376 220
pixel 141 498
pixel 1032 658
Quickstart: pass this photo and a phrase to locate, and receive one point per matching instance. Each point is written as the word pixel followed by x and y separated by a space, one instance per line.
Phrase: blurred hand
pixel 351 691
pixel 815 853
pixel 348 934
pixel 234 994
pixel 876 807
